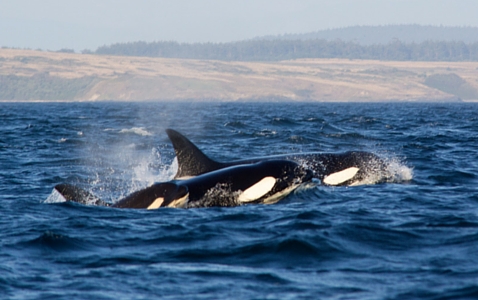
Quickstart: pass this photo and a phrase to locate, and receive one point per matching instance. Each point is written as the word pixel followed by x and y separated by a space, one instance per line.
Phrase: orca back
pixel 154 196
pixel 79 195
pixel 360 165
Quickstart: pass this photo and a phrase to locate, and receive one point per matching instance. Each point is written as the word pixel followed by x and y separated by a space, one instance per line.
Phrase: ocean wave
pixel 137 130
pixel 57 242
pixel 377 241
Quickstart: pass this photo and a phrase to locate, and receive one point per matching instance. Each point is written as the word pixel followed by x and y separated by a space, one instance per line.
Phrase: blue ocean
pixel 412 237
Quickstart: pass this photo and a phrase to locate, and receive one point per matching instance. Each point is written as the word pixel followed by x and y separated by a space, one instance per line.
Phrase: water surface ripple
pixel 413 238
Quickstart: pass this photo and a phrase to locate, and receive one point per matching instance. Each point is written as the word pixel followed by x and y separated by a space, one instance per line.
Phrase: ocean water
pixel 413 237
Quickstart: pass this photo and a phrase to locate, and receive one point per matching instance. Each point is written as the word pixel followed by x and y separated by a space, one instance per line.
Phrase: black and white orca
pixel 263 182
pixel 348 168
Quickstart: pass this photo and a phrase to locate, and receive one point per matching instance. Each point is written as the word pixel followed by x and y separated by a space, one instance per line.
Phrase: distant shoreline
pixel 37 76
pixel 226 101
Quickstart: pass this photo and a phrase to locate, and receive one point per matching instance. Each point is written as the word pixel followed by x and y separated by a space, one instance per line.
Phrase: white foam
pixel 137 130
pixel 126 170
pixel 150 169
pixel 399 172
pixel 266 132
pixel 395 172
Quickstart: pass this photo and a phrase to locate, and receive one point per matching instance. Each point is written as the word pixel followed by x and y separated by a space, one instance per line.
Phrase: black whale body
pixel 347 168
pixel 263 182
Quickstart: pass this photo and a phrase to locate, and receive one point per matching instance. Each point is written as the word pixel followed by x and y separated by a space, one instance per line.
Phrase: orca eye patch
pixel 257 190
pixel 156 203
pixel 341 176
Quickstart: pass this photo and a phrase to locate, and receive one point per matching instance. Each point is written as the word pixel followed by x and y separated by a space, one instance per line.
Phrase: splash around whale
pixel 264 182
pixel 203 182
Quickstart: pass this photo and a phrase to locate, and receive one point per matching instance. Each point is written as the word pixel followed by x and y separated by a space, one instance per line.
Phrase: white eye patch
pixel 257 190
pixel 340 177
pixel 156 203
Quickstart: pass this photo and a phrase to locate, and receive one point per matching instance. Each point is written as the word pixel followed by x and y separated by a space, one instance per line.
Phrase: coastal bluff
pixel 27 75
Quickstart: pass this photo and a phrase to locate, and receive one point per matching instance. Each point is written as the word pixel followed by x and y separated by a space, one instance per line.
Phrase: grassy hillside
pixel 37 75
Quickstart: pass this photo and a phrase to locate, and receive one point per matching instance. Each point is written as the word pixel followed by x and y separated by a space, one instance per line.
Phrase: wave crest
pixel 137 130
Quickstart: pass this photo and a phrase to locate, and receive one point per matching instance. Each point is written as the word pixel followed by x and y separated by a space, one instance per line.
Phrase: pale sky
pixel 88 24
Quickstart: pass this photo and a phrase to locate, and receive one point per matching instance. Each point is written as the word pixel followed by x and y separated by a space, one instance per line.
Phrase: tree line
pixel 275 50
pixel 369 35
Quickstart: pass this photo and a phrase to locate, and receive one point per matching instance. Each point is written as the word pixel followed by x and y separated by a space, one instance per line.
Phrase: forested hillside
pixel 369 35
pixel 393 42
pixel 276 50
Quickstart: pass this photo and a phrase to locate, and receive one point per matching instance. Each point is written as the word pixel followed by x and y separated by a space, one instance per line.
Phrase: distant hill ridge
pixel 393 42
pixel 369 35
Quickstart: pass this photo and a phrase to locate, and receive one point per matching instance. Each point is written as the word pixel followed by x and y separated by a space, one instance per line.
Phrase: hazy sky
pixel 88 24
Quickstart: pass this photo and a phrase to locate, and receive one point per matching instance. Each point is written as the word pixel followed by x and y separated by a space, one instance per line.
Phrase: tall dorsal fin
pixel 191 160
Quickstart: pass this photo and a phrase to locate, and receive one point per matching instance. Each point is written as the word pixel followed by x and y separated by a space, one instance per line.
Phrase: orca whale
pixel 264 182
pixel 347 168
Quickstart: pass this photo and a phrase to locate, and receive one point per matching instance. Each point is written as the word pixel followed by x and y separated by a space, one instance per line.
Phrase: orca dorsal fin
pixel 191 160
